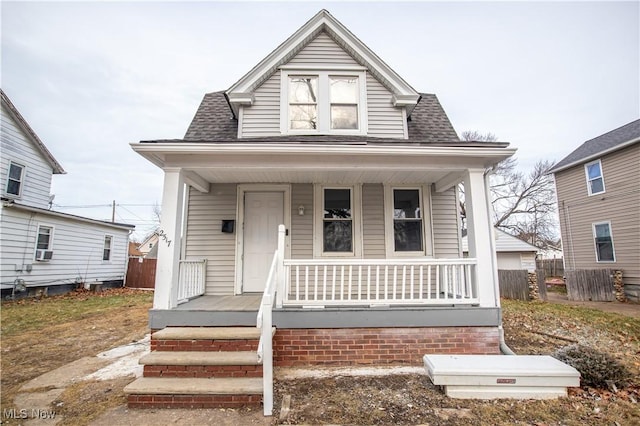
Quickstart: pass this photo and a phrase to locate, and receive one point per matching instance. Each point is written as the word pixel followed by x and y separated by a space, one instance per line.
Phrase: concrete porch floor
pixel 240 303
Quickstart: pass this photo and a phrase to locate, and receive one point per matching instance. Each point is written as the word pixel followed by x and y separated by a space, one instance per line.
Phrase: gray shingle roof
pixel 603 143
pixel 214 122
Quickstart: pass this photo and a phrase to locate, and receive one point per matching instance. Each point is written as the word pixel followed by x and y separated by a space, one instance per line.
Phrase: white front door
pixel 263 212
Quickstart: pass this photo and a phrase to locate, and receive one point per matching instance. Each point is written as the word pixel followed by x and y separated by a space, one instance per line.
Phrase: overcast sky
pixel 92 77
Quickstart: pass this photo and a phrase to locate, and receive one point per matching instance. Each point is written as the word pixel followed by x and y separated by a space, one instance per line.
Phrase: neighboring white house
pixel 511 252
pixel 42 248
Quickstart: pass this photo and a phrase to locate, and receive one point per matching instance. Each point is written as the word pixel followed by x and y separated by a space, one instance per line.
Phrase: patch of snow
pixel 125 361
pixel 324 372
pixel 123 350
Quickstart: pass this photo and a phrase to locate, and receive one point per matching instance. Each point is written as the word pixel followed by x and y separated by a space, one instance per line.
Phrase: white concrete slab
pixel 501 376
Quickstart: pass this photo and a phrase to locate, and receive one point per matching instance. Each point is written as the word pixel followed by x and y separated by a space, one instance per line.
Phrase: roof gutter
pixel 122 226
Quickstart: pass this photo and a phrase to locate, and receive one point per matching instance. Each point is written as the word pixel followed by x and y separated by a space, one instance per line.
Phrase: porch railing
pixel 265 323
pixel 333 282
pixel 192 277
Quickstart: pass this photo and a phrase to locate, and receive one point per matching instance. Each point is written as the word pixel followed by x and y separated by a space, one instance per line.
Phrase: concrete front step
pixel 501 376
pixel 207 333
pixel 200 358
pixel 193 393
pixel 191 386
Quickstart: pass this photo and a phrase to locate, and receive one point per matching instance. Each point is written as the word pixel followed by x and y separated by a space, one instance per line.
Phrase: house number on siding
pixel 164 237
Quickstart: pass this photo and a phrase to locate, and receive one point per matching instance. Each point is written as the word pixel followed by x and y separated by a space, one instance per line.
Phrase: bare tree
pixel 476 136
pixel 523 204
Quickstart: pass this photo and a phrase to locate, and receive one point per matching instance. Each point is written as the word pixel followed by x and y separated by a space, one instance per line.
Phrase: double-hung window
pixel 595 178
pixel 407 221
pixel 106 251
pixel 15 177
pixel 337 221
pixel 44 243
pixel 603 240
pixel 303 102
pixel 323 102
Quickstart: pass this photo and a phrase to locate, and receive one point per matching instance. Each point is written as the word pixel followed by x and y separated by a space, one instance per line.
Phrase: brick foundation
pixel 203 371
pixel 379 346
pixel 192 401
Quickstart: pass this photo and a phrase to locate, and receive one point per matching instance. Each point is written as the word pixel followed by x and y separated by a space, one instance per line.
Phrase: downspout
pixel 504 349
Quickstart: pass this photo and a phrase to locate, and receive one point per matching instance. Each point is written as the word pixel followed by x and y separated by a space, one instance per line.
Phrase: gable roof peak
pixel 22 123
pixel 241 93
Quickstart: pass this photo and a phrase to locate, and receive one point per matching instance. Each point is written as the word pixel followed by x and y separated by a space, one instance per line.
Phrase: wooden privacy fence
pixel 551 267
pixel 590 284
pixel 515 284
pixel 141 273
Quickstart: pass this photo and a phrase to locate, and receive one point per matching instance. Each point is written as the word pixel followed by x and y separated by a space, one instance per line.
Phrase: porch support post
pixel 167 269
pixel 280 278
pixel 480 236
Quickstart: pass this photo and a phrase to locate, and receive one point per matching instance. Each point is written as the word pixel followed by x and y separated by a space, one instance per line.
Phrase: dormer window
pixel 326 102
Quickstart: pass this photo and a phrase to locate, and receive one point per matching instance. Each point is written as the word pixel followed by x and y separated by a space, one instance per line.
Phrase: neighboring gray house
pixel 44 249
pixel 511 252
pixel 598 190
pixel 324 185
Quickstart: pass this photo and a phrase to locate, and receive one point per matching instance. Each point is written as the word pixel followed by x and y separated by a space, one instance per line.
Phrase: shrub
pixel 597 369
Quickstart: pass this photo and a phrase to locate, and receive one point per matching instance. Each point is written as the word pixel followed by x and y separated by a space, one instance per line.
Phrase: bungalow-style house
pixel 319 199
pixel 598 203
pixel 46 251
pixel 511 252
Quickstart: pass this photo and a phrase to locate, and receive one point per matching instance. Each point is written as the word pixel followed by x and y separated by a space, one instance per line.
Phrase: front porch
pixel 242 310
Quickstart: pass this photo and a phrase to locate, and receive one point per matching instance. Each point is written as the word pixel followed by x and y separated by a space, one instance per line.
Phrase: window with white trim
pixel 603 240
pixel 325 102
pixel 106 251
pixel 44 243
pixel 595 178
pixel 337 221
pixel 407 221
pixel 15 177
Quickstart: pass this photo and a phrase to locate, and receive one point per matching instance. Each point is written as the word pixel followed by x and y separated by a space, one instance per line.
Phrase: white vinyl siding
pixel 16 146
pixel 302 226
pixel 444 214
pixel 578 211
pixel 322 51
pixel 205 239
pixel 263 117
pixel 384 120
pixel 373 221
pixel 77 250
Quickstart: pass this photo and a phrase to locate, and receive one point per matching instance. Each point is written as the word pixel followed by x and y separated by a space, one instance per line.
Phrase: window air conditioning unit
pixel 44 255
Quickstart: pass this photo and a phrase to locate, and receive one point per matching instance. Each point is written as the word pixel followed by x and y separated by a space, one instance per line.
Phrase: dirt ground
pixel 530 328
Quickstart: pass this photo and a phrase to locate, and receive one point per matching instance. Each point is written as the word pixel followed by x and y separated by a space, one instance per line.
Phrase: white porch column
pixel 167 270
pixel 480 235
